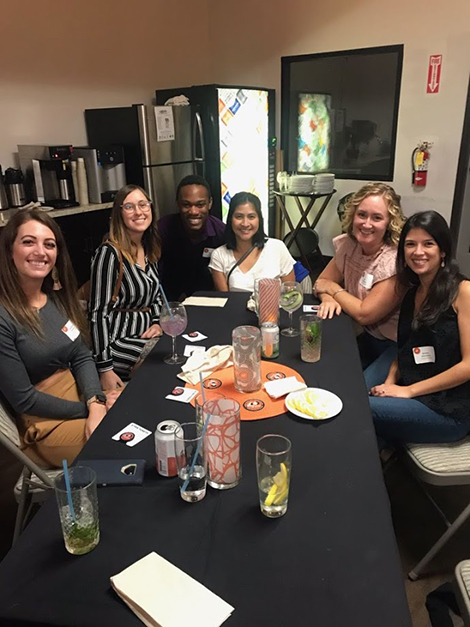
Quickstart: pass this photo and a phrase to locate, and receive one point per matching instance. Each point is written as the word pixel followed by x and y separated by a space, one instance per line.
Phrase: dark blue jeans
pixel 407 419
pixel 370 348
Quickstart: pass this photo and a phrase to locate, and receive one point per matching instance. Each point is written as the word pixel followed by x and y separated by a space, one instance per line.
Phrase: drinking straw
pixel 185 484
pixel 202 388
pixel 67 487
pixel 166 301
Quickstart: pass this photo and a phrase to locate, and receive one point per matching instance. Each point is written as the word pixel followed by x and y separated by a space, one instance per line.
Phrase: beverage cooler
pixel 234 128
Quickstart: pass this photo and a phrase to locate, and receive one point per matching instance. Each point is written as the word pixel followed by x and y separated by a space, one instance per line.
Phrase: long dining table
pixel 331 561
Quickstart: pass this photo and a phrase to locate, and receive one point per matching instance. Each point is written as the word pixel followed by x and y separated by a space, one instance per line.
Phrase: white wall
pixel 59 58
pixel 251 36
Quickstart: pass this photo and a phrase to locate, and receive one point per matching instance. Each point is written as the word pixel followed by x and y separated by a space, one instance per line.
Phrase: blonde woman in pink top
pixel 361 278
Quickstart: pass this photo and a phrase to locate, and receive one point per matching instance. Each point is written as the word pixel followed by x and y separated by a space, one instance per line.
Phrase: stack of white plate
pixel 323 183
pixel 311 183
pixel 301 184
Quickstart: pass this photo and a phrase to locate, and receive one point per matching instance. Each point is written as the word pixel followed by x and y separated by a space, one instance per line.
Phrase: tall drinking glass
pixel 191 462
pixel 246 342
pixel 78 510
pixel 310 338
pixel 223 443
pixel 273 465
pixel 208 396
pixel 173 320
pixel 292 298
pixel 267 295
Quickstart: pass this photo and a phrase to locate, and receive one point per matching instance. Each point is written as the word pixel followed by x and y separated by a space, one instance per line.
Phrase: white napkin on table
pixel 205 301
pixel 281 387
pixel 214 358
pixel 162 595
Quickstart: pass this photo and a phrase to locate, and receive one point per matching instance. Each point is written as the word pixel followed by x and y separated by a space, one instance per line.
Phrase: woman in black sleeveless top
pixel 423 393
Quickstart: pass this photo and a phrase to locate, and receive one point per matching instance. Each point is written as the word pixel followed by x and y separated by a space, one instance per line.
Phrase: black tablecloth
pixel 331 561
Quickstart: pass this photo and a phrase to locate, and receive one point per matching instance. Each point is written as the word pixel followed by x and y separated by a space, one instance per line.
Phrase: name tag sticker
pixel 207 252
pixel 70 330
pixel 367 280
pixel 424 355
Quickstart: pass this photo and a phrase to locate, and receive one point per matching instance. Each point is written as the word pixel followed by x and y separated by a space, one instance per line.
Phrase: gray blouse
pixel 26 360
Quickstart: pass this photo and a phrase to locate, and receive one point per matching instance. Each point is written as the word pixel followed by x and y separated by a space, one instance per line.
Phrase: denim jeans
pixel 370 348
pixel 407 419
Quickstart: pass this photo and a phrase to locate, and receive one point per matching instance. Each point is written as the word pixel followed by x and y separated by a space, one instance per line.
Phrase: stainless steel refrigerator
pixel 157 166
pixel 226 135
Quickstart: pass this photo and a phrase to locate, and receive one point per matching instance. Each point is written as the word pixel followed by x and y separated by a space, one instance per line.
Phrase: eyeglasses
pixel 143 205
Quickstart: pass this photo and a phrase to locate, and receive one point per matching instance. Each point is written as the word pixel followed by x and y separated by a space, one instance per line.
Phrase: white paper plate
pixel 323 404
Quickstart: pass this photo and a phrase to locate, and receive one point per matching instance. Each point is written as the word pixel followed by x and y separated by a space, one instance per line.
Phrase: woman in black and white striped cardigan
pixel 124 306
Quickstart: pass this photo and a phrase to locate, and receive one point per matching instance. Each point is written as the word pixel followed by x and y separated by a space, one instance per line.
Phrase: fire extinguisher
pixel 419 163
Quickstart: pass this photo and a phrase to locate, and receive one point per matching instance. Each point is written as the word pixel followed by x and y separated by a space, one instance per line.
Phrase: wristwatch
pixel 97 398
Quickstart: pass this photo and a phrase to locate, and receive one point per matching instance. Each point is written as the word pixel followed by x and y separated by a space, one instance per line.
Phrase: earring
pixel 55 280
pixel 443 263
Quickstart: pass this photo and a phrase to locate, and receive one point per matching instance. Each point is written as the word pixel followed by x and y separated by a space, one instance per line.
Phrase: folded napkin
pixel 214 358
pixel 162 595
pixel 204 301
pixel 281 387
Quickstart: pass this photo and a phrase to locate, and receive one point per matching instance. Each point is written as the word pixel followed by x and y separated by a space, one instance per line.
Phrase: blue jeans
pixel 370 348
pixel 407 419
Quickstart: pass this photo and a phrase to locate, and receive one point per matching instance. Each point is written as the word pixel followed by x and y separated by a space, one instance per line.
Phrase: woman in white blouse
pixel 248 254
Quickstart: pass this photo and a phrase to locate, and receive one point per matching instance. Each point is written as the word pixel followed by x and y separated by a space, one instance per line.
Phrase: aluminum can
pixel 165 448
pixel 269 340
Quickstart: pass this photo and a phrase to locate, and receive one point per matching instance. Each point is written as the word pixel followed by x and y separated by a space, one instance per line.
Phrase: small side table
pixel 304 208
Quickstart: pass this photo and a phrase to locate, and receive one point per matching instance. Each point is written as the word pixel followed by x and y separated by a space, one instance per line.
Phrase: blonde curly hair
pixel 392 200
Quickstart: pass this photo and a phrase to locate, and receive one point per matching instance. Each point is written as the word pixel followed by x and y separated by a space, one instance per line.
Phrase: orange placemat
pixel 257 405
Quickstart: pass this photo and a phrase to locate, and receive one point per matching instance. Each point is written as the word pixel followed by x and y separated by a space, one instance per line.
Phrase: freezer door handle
pixel 198 131
pixel 145 150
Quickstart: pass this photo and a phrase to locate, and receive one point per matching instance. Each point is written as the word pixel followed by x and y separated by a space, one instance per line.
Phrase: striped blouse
pixel 109 325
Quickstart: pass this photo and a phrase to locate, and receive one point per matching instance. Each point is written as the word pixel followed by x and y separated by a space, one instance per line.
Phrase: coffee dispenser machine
pixel 105 171
pixel 48 175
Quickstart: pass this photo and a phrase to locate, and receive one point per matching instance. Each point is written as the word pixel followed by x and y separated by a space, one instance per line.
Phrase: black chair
pixel 305 248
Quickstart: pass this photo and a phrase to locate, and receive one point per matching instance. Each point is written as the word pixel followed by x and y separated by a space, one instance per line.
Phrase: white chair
pixel 34 483
pixel 440 465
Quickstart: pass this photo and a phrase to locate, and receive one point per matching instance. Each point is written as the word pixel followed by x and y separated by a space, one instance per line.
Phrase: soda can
pixel 165 448
pixel 269 340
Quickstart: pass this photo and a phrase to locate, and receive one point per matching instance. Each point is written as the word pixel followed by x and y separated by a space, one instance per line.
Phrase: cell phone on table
pixel 117 472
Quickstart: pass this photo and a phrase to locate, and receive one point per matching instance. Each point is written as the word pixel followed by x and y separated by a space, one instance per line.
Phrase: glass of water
pixel 191 461
pixel 273 465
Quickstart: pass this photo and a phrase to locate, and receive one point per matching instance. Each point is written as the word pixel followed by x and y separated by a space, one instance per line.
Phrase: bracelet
pixel 338 291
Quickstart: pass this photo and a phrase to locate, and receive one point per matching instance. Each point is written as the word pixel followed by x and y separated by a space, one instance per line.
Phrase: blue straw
pixel 67 486
pixel 204 429
pixel 166 301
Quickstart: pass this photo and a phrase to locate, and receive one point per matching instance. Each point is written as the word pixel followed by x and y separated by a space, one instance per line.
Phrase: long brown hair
pixel 12 296
pixel 391 199
pixel 119 235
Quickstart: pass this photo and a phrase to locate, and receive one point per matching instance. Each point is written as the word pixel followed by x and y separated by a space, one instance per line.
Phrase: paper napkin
pixel 205 301
pixel 215 358
pixel 162 595
pixel 281 387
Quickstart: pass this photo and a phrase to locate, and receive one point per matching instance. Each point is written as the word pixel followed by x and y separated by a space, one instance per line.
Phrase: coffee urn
pixel 3 195
pixel 14 183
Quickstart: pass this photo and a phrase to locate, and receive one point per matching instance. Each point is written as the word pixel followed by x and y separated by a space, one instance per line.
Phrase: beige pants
pixel 47 441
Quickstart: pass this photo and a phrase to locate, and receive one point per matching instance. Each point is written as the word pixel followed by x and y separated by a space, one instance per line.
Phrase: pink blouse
pixel 361 272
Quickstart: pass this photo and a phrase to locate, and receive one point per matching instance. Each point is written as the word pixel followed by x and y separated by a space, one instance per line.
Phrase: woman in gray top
pixel 47 374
